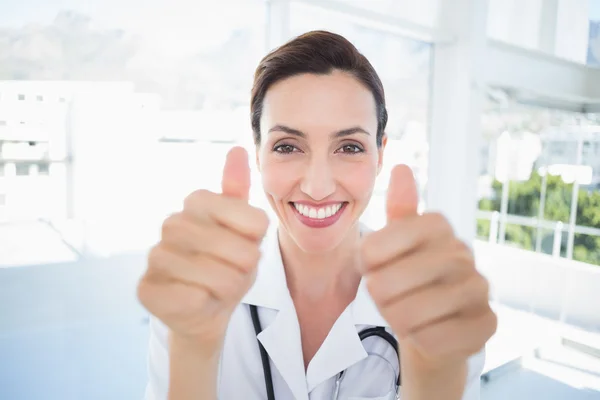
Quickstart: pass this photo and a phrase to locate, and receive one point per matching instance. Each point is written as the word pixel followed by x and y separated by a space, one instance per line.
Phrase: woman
pixel 246 312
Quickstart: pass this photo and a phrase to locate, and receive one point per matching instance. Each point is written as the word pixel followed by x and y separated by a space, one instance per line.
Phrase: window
pixel 22 169
pixel 564 28
pixel 421 12
pixel 193 72
pixel 593 50
pixel 543 162
pixel 43 168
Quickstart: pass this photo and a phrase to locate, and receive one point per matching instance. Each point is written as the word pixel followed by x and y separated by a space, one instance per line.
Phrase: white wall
pixel 72 331
pixel 526 279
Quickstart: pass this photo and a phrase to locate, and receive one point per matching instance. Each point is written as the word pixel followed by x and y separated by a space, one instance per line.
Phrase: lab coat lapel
pixel 281 337
pixel 282 341
pixel 341 349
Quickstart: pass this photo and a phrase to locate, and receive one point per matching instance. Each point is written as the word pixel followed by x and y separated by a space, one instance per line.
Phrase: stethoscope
pixel 366 333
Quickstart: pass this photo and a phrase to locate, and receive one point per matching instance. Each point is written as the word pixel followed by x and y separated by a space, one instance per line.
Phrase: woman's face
pixel 318 156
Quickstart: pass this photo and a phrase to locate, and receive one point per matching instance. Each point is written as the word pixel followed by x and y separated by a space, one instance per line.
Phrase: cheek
pixel 278 179
pixel 358 179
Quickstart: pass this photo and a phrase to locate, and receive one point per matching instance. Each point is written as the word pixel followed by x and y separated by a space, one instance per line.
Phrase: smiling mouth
pixel 318 213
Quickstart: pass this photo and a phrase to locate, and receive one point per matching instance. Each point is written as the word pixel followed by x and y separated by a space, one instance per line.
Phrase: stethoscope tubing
pixel 378 331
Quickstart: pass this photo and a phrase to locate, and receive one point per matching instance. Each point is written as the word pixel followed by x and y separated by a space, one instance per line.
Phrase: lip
pixel 318 223
pixel 318 205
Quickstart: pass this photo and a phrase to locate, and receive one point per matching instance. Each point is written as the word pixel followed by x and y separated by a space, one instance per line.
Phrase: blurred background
pixel 111 112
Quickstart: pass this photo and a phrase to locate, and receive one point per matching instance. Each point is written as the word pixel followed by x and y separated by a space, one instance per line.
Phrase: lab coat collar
pixel 281 338
pixel 270 287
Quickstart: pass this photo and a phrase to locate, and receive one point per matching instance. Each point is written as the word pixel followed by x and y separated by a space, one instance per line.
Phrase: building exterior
pixel 38 138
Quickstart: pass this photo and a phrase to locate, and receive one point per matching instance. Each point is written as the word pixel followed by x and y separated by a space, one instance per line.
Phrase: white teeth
pixel 318 213
pixel 321 213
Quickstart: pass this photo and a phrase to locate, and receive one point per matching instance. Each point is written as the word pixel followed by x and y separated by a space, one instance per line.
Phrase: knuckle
pixel 192 300
pixel 261 221
pixel 438 221
pixel 155 257
pixel 170 225
pixel 250 257
pixel 490 325
pixel 462 255
pixel 144 293
pixel 197 198
pixel 368 251
pixel 484 286
pixel 235 286
pixel 469 293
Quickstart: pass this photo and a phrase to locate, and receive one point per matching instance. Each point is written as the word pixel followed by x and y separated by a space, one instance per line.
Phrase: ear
pixel 380 152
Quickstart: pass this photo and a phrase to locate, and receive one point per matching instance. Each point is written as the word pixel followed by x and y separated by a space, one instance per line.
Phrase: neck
pixel 316 276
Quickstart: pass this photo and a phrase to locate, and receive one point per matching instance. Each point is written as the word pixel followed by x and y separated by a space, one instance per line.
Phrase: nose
pixel 318 182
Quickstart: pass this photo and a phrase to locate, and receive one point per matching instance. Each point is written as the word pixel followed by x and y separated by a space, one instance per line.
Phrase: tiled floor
pixel 555 373
pixel 75 332
pixel 93 362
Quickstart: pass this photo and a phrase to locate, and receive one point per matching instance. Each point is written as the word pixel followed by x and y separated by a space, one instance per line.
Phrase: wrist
pixel 421 381
pixel 201 347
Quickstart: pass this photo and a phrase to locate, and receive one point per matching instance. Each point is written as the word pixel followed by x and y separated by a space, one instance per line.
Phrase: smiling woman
pixel 232 298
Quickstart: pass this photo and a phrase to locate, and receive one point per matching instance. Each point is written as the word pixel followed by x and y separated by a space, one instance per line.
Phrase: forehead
pixel 320 102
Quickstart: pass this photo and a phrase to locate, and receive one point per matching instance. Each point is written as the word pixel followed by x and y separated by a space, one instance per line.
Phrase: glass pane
pixel 565 28
pixel 593 53
pixel 587 248
pixel 516 22
pixel 404 68
pixel 112 111
pixel 125 86
pixel 423 12
pixel 556 153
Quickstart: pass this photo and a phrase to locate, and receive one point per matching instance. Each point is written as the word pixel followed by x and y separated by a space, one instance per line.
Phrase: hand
pixel 206 259
pixel 424 282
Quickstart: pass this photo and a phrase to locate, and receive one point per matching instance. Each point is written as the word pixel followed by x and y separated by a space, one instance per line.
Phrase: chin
pixel 317 243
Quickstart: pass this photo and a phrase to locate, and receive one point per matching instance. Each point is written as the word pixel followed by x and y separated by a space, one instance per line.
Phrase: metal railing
pixel 499 221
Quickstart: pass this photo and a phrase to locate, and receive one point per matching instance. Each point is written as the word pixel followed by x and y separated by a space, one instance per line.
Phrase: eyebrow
pixel 338 134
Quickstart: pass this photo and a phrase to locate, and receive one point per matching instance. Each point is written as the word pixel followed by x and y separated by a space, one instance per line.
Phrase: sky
pixel 168 24
pixel 595 10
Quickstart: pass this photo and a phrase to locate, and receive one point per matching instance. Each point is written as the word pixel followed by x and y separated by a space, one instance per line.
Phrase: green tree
pixel 524 200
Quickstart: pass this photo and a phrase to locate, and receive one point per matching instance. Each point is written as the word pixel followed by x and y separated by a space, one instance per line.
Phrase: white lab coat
pixel 370 367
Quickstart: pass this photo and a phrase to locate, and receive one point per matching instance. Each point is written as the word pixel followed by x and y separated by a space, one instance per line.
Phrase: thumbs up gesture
pixel 206 259
pixel 424 282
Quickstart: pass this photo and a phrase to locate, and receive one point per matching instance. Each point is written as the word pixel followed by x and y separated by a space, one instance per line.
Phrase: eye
pixel 284 149
pixel 351 148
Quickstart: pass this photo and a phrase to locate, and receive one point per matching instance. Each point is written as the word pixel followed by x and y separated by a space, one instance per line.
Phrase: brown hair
pixel 317 52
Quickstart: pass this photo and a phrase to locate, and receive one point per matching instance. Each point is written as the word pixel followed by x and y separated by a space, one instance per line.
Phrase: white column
pixel 572 30
pixel 548 21
pixel 456 115
pixel 278 23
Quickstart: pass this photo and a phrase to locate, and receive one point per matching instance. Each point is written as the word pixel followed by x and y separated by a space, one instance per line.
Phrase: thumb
pixel 402 197
pixel 236 174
